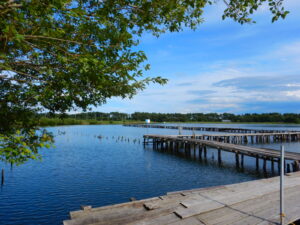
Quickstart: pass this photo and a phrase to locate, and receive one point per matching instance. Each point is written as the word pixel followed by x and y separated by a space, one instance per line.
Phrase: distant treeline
pixel 93 117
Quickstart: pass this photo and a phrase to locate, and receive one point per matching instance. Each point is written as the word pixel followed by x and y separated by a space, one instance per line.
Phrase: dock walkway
pixel 199 146
pixel 254 203
pixel 244 137
pixel 213 129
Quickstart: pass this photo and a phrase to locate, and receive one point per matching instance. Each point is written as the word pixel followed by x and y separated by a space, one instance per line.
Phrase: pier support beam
pixel 272 165
pixel 2 177
pixel 295 166
pixel 265 165
pixel 189 146
pixel 242 161
pixel 288 168
pixel 219 156
pixel 200 151
pixel 237 160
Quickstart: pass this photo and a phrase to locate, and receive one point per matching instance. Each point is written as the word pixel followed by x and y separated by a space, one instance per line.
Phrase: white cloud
pixel 293 85
pixel 262 71
pixel 179 95
pixel 293 93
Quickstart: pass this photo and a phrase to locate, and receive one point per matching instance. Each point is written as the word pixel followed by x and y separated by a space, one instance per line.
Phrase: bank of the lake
pixel 47 122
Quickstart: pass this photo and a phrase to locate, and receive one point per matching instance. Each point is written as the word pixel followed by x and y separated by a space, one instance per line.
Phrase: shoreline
pixel 69 122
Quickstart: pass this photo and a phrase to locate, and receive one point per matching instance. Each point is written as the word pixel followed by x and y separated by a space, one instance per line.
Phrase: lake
pixel 106 164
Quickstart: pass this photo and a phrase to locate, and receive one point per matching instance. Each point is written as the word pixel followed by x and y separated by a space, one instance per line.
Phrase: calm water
pixel 86 170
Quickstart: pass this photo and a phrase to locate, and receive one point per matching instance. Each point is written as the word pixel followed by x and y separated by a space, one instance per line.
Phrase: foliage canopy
pixel 58 55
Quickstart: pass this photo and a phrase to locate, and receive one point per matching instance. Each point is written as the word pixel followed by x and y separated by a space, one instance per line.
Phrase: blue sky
pixel 223 67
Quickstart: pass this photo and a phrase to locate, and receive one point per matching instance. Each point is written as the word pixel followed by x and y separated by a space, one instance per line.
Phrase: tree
pixel 58 55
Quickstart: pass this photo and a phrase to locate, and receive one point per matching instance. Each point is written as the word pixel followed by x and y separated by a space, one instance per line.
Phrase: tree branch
pixel 23 73
pixel 226 3
pixel 69 41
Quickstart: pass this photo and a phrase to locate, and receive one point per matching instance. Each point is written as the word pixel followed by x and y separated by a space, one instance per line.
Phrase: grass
pixel 45 122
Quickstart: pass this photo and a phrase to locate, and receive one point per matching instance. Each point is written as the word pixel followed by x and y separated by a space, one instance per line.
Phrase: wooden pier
pixel 198 148
pixel 254 202
pixel 213 129
pixel 243 138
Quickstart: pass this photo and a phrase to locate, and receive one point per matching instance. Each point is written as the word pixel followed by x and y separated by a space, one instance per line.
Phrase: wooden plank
pixel 292 208
pixel 207 202
pixel 204 206
pixel 231 214
pixel 188 221
pixel 151 205
pixel 79 213
pixel 170 218
pixel 253 202
pixel 104 217
pixel 121 215
pixel 253 211
pixel 195 190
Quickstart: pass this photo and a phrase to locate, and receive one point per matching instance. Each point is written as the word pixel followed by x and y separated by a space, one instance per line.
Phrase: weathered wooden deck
pixel 254 202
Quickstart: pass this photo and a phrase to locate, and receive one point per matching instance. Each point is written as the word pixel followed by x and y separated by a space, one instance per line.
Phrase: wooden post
pixel 194 154
pixel 257 163
pixel 237 160
pixel 189 149
pixel 242 161
pixel 288 168
pixel 296 166
pixel 284 168
pixel 219 156
pixel 205 152
pixel 265 165
pixel 200 151
pixel 2 177
pixel 272 164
